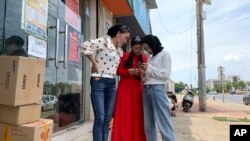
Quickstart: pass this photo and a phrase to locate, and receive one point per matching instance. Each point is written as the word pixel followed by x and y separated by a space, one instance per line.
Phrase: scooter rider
pixel 188 99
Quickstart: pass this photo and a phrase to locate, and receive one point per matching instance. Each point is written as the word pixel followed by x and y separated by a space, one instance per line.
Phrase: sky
pixel 226 37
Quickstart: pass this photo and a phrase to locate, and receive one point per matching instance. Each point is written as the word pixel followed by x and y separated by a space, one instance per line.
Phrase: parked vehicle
pixel 241 92
pixel 233 92
pixel 187 101
pixel 213 92
pixel 246 99
pixel 49 102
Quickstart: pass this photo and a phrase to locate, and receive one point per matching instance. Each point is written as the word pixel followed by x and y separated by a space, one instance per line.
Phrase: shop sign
pixel 74 54
pixel 34 17
pixel 72 13
pixel 142 14
pixel 37 47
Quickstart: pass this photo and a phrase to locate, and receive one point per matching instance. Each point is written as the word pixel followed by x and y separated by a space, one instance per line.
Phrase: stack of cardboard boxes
pixel 21 88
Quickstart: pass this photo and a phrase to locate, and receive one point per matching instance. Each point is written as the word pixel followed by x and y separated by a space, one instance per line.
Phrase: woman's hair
pixel 135 40
pixel 129 62
pixel 112 31
pixel 153 42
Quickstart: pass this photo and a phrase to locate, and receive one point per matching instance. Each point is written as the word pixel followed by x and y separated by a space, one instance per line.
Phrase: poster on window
pixel 74 41
pixel 34 17
pixel 72 13
pixel 37 47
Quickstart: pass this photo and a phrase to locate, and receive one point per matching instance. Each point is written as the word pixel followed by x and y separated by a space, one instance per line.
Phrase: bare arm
pixel 95 67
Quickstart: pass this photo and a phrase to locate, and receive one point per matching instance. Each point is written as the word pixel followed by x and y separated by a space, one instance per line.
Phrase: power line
pixel 191 46
pixel 171 32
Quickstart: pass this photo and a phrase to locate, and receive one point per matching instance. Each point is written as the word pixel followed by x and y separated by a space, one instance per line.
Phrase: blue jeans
pixel 156 110
pixel 103 94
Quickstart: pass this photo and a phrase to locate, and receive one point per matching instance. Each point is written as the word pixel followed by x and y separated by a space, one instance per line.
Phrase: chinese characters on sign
pixel 35 17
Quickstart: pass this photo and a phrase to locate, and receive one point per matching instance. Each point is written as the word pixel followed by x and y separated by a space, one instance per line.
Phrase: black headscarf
pixel 153 42
pixel 112 31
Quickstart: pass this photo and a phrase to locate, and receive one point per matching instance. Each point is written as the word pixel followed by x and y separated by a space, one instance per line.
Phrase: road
pixel 228 98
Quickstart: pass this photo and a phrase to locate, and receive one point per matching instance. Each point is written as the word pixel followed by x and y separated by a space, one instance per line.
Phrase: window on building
pixel 2 11
pixel 13 23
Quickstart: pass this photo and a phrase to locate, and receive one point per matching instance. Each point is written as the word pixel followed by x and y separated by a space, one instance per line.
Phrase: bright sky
pixel 226 35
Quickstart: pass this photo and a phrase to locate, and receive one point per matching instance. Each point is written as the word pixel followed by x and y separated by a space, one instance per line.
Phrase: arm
pixel 163 72
pixel 94 67
pixel 89 48
pixel 144 60
pixel 122 70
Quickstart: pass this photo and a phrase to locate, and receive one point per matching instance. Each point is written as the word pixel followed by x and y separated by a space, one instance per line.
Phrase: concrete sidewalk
pixel 200 126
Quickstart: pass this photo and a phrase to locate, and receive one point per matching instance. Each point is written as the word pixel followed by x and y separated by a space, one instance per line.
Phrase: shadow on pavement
pixel 182 123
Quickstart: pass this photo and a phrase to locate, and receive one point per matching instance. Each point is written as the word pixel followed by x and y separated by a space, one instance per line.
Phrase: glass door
pixel 62 97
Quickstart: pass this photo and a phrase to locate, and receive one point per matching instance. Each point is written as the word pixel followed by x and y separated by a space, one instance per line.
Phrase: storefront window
pixel 14 34
pixel 62 98
pixel 2 11
pixel 63 79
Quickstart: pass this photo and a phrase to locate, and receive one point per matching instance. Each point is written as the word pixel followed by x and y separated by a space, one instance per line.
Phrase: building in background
pixel 233 78
pixel 211 83
pixel 170 86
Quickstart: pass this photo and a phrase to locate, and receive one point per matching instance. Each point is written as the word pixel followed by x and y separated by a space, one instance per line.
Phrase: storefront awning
pixel 132 23
pixel 118 7
pixel 151 4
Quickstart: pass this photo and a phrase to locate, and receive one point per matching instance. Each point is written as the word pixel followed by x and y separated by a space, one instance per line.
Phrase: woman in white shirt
pixel 104 54
pixel 156 106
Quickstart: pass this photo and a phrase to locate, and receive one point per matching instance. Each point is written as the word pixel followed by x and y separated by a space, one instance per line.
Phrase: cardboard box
pixel 40 130
pixel 20 114
pixel 21 80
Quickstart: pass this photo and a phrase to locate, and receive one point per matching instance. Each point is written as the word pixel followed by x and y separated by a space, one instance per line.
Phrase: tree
pixel 208 89
pixel 228 87
pixel 179 87
pixel 240 85
pixel 217 87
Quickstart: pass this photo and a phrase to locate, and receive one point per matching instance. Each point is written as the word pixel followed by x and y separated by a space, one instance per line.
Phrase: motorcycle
pixel 187 101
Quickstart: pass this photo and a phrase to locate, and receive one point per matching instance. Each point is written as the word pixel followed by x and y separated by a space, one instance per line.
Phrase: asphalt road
pixel 228 98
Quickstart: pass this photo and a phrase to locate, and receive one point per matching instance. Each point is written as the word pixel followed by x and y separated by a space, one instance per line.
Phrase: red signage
pixel 72 13
pixel 73 47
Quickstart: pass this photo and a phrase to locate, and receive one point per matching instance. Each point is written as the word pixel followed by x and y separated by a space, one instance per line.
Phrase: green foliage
pixel 208 90
pixel 241 85
pixel 228 86
pixel 179 87
pixel 217 88
pixel 231 119
pixel 59 88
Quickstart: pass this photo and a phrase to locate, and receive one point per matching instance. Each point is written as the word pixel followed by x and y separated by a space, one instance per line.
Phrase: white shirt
pixel 159 69
pixel 106 54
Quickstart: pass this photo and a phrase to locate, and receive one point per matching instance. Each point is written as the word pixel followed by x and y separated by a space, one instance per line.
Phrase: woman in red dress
pixel 128 114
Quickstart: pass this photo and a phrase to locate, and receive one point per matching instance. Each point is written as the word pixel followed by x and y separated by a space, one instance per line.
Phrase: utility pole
pixel 201 55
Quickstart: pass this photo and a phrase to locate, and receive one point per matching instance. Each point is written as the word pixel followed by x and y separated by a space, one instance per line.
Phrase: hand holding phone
pixel 144 66
pixel 139 64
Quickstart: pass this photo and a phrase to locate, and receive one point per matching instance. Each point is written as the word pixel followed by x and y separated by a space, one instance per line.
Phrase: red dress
pixel 128 114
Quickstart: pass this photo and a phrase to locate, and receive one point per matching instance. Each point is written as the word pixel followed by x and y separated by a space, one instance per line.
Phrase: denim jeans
pixel 103 94
pixel 157 110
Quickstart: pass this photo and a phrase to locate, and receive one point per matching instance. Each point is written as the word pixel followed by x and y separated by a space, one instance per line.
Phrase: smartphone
pixel 139 64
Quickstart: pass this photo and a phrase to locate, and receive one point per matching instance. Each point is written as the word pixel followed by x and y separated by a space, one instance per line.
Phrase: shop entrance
pixel 62 96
